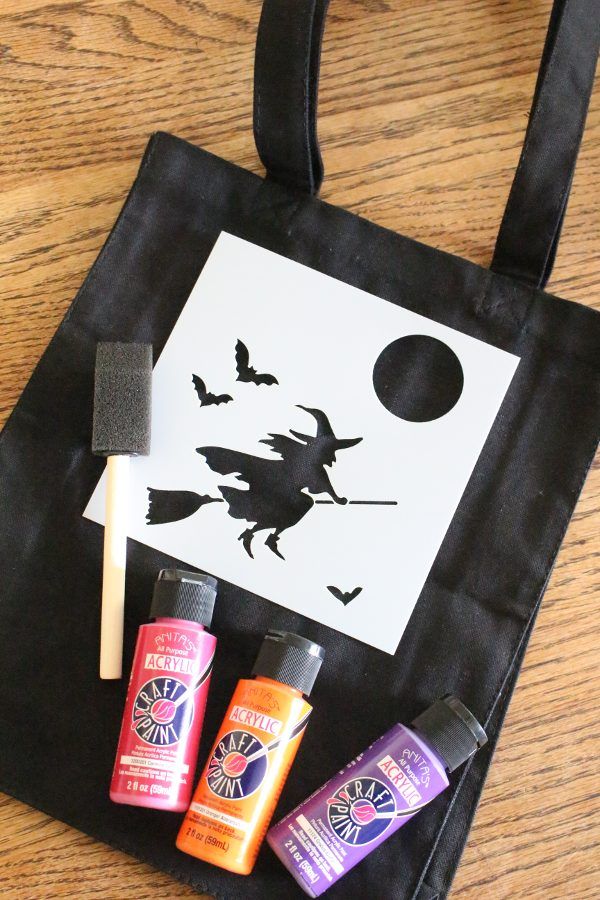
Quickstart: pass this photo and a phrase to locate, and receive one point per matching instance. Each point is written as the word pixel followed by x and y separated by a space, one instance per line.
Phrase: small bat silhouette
pixel 346 596
pixel 205 397
pixel 245 371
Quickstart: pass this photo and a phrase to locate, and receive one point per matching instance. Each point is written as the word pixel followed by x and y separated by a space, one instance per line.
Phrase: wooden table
pixel 422 112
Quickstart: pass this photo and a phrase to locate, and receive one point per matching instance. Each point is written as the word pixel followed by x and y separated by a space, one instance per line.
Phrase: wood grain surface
pixel 423 107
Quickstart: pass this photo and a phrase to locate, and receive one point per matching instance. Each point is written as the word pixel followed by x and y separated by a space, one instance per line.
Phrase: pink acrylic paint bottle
pixel 160 733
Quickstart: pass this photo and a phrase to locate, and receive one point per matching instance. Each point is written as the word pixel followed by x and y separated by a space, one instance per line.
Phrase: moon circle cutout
pixel 418 378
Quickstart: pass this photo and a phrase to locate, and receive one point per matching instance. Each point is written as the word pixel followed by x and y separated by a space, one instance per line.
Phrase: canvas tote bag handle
pixel 286 76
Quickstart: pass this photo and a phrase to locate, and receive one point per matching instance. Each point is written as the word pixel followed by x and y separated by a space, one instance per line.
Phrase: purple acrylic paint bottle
pixel 375 795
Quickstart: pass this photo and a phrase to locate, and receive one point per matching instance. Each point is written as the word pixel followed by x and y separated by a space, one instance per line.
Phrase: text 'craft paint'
pixel 374 795
pixel 160 733
pixel 252 755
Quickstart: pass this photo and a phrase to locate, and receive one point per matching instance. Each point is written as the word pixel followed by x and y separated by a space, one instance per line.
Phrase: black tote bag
pixel 474 616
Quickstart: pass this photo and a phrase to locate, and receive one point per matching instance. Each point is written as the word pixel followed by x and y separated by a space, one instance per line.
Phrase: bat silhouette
pixel 205 397
pixel 346 596
pixel 245 371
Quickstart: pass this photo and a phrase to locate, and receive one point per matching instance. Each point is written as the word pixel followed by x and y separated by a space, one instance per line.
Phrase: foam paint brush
pixel 122 409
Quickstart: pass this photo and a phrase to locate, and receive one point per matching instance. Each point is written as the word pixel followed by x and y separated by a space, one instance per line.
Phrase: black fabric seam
pixel 499 689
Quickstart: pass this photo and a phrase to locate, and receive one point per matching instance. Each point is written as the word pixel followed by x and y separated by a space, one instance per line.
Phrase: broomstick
pixel 166 506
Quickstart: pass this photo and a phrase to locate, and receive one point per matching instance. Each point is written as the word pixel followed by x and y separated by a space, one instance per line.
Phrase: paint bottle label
pixel 358 809
pixel 158 746
pixel 247 767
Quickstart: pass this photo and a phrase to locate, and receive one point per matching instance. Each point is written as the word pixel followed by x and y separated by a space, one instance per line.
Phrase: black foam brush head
pixel 122 399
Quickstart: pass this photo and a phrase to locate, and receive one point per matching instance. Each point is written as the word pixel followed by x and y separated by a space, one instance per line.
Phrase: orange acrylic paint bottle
pixel 252 755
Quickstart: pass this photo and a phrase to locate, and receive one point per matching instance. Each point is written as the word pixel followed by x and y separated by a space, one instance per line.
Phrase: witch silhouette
pixel 276 498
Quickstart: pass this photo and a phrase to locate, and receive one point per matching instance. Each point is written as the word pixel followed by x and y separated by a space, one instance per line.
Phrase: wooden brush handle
pixel 113 573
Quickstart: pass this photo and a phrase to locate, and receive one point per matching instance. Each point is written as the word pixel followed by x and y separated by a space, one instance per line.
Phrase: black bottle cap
pixel 451 730
pixel 289 658
pixel 184 595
